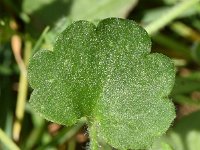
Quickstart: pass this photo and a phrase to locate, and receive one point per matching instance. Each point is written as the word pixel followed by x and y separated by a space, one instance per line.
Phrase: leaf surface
pixel 107 74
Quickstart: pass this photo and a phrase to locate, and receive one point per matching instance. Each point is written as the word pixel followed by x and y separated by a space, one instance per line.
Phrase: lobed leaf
pixel 107 74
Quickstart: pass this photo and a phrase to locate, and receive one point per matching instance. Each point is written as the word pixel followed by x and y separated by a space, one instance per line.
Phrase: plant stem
pixel 35 134
pixel 173 13
pixel 93 136
pixel 64 135
pixel 72 144
pixel 173 44
pixel 185 31
pixel 39 41
pixel 7 141
pixel 22 94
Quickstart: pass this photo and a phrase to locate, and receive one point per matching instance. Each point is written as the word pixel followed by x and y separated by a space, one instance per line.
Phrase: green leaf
pixel 72 10
pixel 101 9
pixel 82 10
pixel 106 74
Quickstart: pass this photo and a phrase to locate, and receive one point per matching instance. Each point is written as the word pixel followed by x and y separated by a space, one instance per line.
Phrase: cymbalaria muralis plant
pixel 106 74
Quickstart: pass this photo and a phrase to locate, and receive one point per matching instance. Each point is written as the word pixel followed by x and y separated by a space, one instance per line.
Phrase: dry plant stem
pixel 16 44
pixel 173 13
pixel 22 95
pixel 185 31
pixel 7 141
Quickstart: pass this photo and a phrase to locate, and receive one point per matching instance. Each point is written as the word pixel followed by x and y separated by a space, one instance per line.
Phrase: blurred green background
pixel 29 25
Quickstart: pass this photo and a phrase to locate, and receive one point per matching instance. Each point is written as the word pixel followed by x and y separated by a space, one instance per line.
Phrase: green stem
pixel 173 44
pixel 173 13
pixel 64 135
pixel 39 41
pixel 7 141
pixel 35 135
pixel 72 144
pixel 93 137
